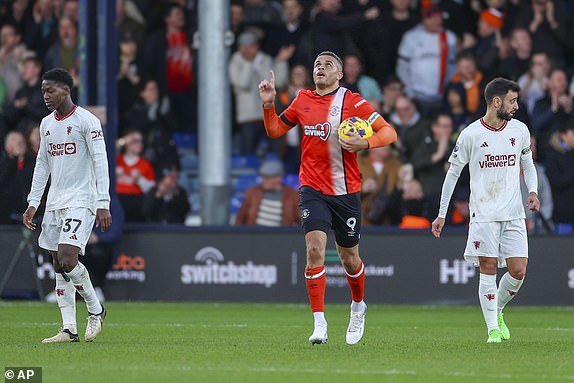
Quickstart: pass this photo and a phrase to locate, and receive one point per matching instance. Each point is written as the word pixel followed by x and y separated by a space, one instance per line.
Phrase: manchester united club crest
pixel 476 244
pixel 69 129
pixel 512 141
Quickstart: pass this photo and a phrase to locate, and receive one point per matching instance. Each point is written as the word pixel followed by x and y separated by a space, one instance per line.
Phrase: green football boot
pixel 494 336
pixel 504 331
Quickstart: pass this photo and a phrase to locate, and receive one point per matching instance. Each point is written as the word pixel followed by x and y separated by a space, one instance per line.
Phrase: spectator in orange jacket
pixel 270 203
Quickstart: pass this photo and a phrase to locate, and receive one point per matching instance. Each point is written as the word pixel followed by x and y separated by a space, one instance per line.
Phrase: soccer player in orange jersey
pixel 330 180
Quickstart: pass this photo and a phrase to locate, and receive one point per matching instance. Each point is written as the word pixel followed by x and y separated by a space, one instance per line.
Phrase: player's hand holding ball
pixel 353 134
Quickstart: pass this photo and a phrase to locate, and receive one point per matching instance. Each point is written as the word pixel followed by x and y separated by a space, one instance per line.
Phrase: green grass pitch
pixel 199 342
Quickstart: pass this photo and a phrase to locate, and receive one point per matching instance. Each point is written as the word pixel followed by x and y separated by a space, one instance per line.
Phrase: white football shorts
pixel 503 239
pixel 70 226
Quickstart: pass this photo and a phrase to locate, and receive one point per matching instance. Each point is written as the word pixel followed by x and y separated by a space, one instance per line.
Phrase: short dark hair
pixel 435 117
pixel 169 7
pixel 59 75
pixel 566 126
pixel 392 79
pixel 14 27
pixel 499 87
pixel 329 53
pixel 465 55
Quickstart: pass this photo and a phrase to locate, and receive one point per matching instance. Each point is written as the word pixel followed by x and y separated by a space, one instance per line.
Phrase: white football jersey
pixel 493 156
pixel 73 152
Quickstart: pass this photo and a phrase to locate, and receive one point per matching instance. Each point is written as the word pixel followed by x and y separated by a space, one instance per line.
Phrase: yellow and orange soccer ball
pixel 356 125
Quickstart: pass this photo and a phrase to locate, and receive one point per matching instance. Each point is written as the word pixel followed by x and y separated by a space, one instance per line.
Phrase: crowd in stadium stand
pixel 421 64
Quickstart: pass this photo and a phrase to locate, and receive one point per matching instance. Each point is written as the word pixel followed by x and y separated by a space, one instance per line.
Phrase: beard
pixel 503 115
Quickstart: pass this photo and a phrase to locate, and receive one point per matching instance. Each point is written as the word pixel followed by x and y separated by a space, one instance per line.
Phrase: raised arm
pixel 274 126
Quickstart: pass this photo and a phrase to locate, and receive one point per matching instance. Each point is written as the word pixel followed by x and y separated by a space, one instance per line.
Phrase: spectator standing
pixel 28 107
pixel 471 79
pixel 12 52
pixel 129 75
pixel 152 116
pixel 130 27
pixel 40 27
pixel 384 37
pixel 518 62
pixel 560 172
pixel 246 69
pixel 263 14
pixel 426 60
pixel 64 52
pixel 356 81
pixel 288 32
pixel 553 110
pixel 547 25
pixel 486 50
pixel 169 59
pixel 533 82
pixel 329 30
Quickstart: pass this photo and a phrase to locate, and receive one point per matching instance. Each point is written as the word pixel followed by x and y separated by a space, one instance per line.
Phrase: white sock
pixel 319 317
pixel 357 307
pixel 66 297
pixel 488 301
pixel 81 279
pixel 507 289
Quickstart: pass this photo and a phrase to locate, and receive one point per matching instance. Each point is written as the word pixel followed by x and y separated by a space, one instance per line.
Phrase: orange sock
pixel 316 283
pixel 357 283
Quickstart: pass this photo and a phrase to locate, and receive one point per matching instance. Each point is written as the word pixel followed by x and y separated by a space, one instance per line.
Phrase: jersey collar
pixel 492 127
pixel 60 118
pixel 328 94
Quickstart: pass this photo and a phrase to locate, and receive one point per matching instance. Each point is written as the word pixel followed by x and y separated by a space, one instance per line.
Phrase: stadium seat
pixel 564 229
pixel 292 180
pixel 244 164
pixel 271 156
pixel 189 161
pixel 239 161
pixel 236 202
pixel 245 182
pixel 185 140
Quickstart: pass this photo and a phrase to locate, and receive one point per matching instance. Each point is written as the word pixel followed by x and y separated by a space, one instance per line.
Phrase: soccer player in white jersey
pixel 495 147
pixel 73 153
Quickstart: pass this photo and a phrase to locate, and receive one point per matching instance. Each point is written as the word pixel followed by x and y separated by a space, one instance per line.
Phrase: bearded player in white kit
pixel 73 153
pixel 495 147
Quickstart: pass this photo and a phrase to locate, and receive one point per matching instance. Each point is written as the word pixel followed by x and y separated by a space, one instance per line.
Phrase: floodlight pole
pixel 214 111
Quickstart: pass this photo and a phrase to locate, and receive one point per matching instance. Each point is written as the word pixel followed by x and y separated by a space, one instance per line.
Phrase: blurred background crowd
pixel 422 64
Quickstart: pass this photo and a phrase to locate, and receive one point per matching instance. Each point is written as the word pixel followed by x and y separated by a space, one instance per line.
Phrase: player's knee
pixel 314 252
pixel 488 265
pixel 518 274
pixel 67 263
pixel 350 261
